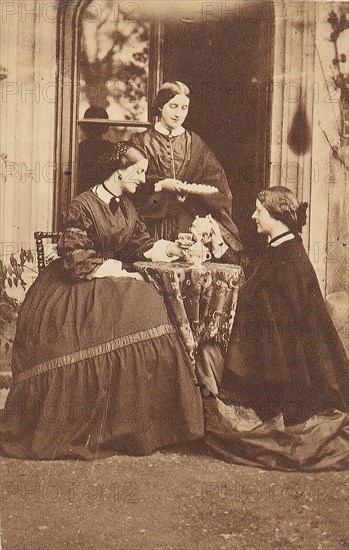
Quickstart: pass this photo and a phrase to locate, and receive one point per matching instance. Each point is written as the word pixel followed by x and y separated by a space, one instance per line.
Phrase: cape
pixel 284 346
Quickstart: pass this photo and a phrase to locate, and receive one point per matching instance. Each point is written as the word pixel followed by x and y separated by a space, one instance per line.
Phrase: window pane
pixel 114 62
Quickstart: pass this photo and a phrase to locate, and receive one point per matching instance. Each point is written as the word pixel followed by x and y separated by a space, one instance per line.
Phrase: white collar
pixel 159 127
pixel 103 194
pixel 283 240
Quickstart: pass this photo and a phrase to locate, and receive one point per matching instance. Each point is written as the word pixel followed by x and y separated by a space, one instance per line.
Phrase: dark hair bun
pixel 302 215
pixel 121 155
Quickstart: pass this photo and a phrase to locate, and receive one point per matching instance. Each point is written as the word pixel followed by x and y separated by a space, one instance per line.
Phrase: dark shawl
pixel 200 166
pixel 284 346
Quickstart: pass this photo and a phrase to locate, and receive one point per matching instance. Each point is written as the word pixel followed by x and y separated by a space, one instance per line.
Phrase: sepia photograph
pixel 174 275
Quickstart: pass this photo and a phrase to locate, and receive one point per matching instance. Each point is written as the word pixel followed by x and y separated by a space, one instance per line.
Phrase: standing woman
pixel 177 156
pixel 98 368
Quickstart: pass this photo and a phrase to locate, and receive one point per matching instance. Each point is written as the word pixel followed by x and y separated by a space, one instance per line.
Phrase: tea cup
pixel 184 240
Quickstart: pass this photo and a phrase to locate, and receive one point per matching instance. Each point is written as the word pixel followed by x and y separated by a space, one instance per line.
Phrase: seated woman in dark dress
pixel 98 368
pixel 177 156
pixel 286 376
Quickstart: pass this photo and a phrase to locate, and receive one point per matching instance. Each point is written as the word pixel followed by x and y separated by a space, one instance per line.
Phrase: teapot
pixel 196 253
pixel 202 229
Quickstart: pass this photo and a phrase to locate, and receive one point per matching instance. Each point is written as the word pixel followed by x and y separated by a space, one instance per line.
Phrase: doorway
pixel 227 62
pixel 227 65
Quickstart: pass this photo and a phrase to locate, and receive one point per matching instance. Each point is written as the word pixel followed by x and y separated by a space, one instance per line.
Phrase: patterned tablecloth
pixel 201 301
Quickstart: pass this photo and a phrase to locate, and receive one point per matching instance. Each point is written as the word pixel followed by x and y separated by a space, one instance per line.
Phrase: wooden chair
pixel 39 236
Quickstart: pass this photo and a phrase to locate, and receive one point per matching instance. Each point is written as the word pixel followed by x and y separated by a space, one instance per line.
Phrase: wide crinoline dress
pixel 98 368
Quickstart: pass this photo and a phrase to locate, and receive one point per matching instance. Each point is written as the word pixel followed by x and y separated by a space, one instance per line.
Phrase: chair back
pixel 39 236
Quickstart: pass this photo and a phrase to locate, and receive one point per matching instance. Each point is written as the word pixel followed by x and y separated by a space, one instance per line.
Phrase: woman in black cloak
pixel 285 366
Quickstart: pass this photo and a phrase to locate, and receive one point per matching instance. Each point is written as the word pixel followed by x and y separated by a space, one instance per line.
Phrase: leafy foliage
pixel 339 24
pixel 114 62
pixel 3 73
pixel 11 275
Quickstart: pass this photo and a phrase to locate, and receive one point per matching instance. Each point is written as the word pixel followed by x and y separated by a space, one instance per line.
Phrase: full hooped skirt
pixel 98 370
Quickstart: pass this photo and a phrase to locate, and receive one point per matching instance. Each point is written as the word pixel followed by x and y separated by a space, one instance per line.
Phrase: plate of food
pixel 198 188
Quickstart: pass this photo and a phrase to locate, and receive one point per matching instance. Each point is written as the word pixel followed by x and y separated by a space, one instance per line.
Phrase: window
pixel 110 60
pixel 113 63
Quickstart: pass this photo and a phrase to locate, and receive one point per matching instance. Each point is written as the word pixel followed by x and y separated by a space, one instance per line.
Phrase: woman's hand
pixel 173 249
pixel 109 268
pixel 113 268
pixel 218 245
pixel 169 184
pixel 216 235
pixel 163 251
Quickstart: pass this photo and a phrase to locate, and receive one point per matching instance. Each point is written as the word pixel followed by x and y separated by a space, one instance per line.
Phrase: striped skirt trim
pixel 95 351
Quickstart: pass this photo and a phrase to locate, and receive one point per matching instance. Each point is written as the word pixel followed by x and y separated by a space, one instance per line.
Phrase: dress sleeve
pixel 215 175
pixel 151 203
pixel 212 173
pixel 76 247
pixel 209 171
pixel 140 241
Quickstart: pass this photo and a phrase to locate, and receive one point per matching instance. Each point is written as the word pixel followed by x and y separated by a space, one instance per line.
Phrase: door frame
pixel 67 99
pixel 67 94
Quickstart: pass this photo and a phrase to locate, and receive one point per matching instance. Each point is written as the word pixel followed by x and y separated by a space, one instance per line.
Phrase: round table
pixel 201 300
